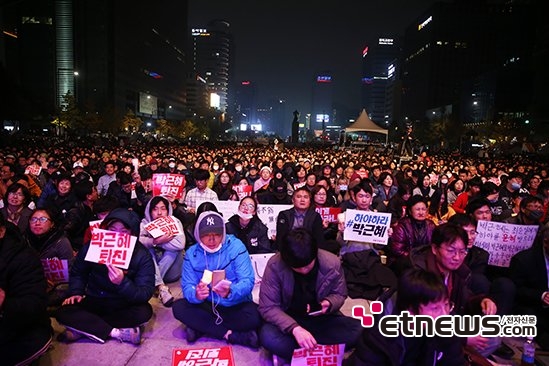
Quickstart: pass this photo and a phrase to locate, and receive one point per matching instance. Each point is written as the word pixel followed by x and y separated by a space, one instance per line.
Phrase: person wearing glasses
pixel 419 292
pixel 16 208
pixel 446 258
pixel 47 237
pixel 247 227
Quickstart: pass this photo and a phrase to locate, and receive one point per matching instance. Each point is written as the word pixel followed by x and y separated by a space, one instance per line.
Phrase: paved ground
pixel 162 335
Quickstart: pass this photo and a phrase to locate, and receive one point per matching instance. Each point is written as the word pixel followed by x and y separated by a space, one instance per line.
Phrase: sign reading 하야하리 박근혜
pixel 169 185
pixel 111 247
pixel 367 226
pixel 321 355
pixel 503 241
pixel 164 226
pixel 219 356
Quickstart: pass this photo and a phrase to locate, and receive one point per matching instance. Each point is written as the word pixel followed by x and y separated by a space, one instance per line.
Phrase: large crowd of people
pixel 50 194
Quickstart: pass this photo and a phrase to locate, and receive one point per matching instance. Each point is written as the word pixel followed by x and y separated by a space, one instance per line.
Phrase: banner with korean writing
pixel 166 225
pixel 269 214
pixel 225 208
pixel 95 224
pixel 503 241
pixel 220 356
pixel 169 185
pixel 33 169
pixel 56 270
pixel 111 247
pixel 243 191
pixel 328 213
pixel 321 355
pixel 367 226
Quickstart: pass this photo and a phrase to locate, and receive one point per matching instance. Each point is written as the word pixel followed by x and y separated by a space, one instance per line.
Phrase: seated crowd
pixel 430 265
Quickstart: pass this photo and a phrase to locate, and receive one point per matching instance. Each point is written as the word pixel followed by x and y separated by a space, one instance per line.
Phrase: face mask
pixel 245 216
pixel 238 168
pixel 171 165
pixel 343 187
pixel 535 215
pixel 449 175
pixel 216 167
pixel 515 186
pixel 444 181
pixel 210 250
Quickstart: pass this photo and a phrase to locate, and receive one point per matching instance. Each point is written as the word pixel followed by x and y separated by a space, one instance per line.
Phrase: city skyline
pixel 282 48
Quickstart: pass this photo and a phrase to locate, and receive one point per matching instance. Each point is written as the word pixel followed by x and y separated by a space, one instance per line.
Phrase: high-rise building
pixel 246 103
pixel 376 61
pixel 111 55
pixel 211 59
pixel 322 106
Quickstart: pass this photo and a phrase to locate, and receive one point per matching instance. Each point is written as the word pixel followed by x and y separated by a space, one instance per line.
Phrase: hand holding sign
pixel 116 275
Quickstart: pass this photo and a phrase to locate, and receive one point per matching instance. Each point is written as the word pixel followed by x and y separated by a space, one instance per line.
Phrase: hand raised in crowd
pixel 73 300
pixel 202 291
pixel 304 338
pixel 488 307
pixel 116 275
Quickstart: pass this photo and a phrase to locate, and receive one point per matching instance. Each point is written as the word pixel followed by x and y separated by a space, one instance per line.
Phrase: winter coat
pixel 312 222
pixel 254 235
pixel 403 239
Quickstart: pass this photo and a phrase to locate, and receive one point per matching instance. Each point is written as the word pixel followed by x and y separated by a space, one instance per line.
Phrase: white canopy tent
pixel 365 124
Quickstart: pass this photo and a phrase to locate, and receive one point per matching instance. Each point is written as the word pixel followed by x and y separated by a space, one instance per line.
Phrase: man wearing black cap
pixel 301 292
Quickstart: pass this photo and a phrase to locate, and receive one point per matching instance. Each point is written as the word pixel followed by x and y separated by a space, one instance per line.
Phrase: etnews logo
pixel 410 325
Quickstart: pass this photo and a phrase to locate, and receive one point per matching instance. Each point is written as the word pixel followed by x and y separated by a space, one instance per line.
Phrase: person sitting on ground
pixel 299 280
pixel 165 249
pixel 25 328
pixel 247 227
pixel 222 310
pixel 106 301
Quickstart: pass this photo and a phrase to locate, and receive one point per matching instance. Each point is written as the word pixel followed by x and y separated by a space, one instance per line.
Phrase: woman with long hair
pixel 439 210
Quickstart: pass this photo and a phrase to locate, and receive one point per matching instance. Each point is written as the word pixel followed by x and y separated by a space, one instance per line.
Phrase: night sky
pixel 281 45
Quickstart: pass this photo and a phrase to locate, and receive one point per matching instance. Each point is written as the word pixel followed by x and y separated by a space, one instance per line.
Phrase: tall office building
pixel 112 55
pixel 322 106
pixel 376 59
pixel 246 103
pixel 212 59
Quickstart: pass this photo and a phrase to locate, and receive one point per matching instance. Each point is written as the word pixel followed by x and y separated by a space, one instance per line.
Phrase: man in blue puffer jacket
pixel 222 310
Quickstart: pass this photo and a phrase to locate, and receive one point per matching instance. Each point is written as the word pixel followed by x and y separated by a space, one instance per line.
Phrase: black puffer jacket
pixel 254 235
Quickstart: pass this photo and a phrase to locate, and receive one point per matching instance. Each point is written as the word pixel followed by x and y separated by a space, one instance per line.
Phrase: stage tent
pixel 365 124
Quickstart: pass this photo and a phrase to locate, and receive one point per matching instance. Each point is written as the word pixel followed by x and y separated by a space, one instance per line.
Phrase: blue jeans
pixel 163 262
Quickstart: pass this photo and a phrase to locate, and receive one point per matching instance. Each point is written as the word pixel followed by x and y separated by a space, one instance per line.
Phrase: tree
pixel 70 115
pixel 131 122
pixel 164 127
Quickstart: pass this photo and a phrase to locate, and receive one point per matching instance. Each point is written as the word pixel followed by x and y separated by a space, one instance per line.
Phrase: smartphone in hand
pixel 314 309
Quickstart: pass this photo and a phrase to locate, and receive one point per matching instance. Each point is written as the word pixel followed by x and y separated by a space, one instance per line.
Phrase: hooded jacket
pixel 232 257
pixel 176 244
pixel 92 279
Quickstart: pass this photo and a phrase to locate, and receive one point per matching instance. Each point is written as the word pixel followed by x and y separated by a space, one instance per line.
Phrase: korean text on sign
pixel 328 213
pixel 503 241
pixel 367 226
pixel 56 270
pixel 110 247
pixel 164 226
pixel 170 185
pixel 221 356
pixel 321 355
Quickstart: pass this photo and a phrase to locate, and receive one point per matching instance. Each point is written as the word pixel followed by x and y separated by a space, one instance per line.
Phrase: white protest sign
pixel 56 270
pixel 166 225
pixel 269 214
pixel 111 247
pixel 367 226
pixel 226 208
pixel 95 224
pixel 503 241
pixel 320 355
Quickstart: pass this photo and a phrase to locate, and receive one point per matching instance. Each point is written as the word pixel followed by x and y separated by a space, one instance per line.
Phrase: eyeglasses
pixel 321 194
pixel 471 232
pixel 16 194
pixel 438 309
pixel 42 220
pixel 453 251
pixel 249 206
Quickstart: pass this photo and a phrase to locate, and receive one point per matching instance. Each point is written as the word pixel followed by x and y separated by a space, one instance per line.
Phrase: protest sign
pixel 269 214
pixel 503 241
pixel 243 191
pixel 169 185
pixel 225 208
pixel 328 213
pixel 367 226
pixel 33 169
pixel 95 224
pixel 111 247
pixel 259 263
pixel 321 355
pixel 56 270
pixel 220 356
pixel 164 226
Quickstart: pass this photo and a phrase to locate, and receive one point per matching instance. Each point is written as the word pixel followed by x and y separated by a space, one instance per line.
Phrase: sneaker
pixel 130 335
pixel 248 339
pixel 165 296
pixel 69 335
pixel 193 334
